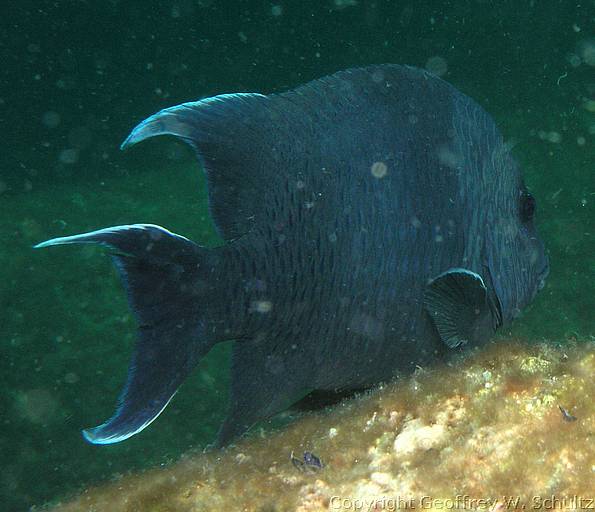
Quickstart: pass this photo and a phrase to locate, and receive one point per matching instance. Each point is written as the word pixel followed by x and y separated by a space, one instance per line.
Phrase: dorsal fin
pixel 251 144
pixel 216 129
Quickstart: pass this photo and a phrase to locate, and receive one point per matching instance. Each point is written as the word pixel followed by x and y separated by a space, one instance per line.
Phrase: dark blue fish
pixel 373 221
pixel 309 463
pixel 312 460
pixel 566 415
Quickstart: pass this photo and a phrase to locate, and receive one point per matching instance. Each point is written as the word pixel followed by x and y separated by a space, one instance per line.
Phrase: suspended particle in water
pixel 574 60
pixel 415 222
pixel 51 119
pixel 36 405
pixel 378 76
pixel 102 61
pixel 448 157
pixel 581 141
pixel 586 50
pixel 379 170
pixel 343 4
pixel 437 65
pixel 262 306
pixel 71 378
pixel 69 156
pixel 66 83
pixel 276 10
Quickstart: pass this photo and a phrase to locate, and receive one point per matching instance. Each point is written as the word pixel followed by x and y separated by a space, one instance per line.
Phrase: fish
pixel 566 416
pixel 309 463
pixel 372 221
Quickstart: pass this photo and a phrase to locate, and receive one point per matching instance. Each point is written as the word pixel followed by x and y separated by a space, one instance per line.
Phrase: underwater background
pixel 76 76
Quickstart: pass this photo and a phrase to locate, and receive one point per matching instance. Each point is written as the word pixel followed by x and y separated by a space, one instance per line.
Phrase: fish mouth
pixel 541 280
pixel 542 276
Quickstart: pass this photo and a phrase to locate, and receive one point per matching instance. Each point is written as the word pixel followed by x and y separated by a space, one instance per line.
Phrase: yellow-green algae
pixel 486 427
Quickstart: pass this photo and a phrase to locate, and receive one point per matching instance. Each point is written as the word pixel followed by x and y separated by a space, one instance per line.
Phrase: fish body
pixel 373 221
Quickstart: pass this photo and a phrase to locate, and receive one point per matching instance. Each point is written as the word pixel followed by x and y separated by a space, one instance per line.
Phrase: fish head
pixel 516 256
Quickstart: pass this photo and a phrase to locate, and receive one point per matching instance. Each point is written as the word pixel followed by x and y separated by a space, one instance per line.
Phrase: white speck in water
pixel 448 157
pixel 51 119
pixel 437 65
pixel 379 170
pixel 581 141
pixel 587 51
pixel 332 237
pixel 36 405
pixel 71 378
pixel 332 432
pixel 262 306
pixel 276 10
pixel 69 156
pixel 574 60
pixel 415 222
pixel 378 76
pixel 342 4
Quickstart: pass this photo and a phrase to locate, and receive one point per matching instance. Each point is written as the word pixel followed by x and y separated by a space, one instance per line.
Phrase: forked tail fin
pixel 165 276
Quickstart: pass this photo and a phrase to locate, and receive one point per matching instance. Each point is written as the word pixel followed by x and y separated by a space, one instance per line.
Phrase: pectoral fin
pixel 459 304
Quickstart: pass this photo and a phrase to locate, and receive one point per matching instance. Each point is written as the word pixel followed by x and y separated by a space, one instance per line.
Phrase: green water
pixel 76 76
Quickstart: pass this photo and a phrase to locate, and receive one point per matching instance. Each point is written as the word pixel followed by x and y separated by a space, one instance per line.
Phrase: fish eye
pixel 527 207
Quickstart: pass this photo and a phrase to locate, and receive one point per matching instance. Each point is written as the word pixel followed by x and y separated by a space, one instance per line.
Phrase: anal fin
pixel 262 385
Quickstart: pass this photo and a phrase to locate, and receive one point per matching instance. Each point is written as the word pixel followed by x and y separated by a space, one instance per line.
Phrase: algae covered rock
pixel 511 425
